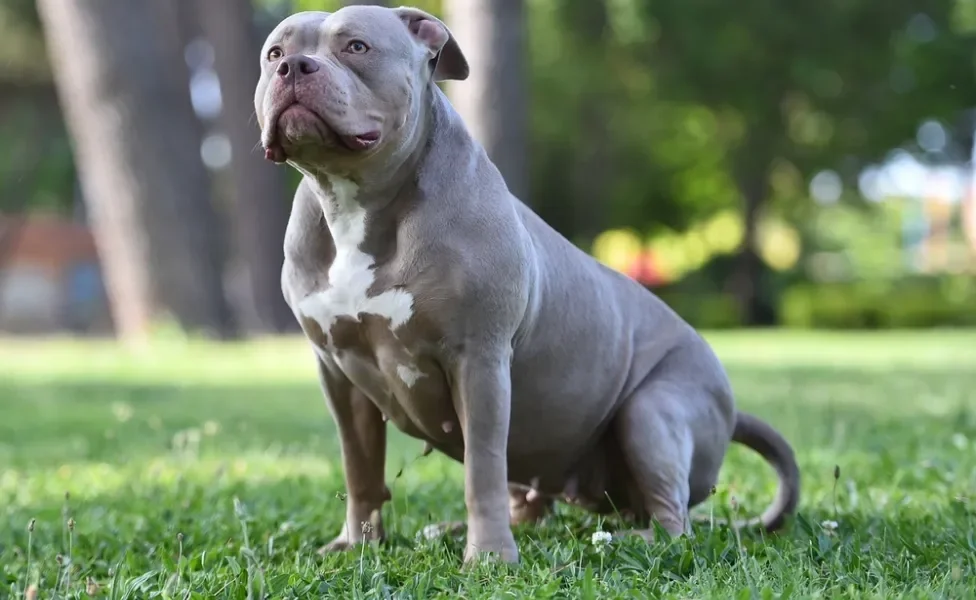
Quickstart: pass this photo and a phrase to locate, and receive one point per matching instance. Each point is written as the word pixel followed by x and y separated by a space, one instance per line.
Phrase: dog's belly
pixel 557 420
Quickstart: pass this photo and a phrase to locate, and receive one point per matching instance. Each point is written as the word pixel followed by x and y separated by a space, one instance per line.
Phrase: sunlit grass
pixel 155 450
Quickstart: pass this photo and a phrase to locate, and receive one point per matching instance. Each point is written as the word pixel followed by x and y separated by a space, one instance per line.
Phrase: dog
pixel 435 299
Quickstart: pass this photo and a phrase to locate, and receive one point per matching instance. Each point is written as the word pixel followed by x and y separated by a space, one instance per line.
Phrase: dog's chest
pixel 347 293
pixel 351 321
pixel 347 304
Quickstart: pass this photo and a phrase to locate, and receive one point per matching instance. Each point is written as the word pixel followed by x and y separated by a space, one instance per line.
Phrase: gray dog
pixel 435 299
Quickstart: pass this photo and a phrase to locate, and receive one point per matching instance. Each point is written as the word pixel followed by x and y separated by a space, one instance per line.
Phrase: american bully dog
pixel 435 299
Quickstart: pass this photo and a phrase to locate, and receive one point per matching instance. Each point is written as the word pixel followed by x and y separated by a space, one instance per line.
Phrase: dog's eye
pixel 357 47
pixel 275 54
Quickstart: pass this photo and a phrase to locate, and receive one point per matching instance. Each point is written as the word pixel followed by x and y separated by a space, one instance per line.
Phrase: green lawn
pixel 148 455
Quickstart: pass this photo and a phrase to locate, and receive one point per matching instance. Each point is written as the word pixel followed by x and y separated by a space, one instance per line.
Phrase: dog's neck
pixel 376 184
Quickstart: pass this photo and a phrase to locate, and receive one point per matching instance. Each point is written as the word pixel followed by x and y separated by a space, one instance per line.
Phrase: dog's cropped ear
pixel 447 60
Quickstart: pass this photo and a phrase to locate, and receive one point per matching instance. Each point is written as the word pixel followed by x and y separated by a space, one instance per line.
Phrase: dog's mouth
pixel 273 138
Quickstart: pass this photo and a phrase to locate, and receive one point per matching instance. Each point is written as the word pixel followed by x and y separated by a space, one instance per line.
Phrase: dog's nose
pixel 297 65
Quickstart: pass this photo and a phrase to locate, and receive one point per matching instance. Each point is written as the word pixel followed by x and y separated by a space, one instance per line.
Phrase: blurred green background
pixel 802 164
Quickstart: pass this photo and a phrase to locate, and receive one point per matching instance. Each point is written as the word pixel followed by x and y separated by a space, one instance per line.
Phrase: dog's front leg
pixel 482 397
pixel 362 437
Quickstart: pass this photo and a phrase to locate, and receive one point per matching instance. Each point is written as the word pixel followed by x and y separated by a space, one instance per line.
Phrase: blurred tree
pixel 35 161
pixel 123 85
pixel 259 204
pixel 494 101
pixel 602 142
pixel 797 99
pixel 587 26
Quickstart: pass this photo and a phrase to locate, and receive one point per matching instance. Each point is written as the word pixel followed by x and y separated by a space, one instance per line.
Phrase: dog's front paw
pixel 349 538
pixel 500 547
pixel 341 543
pixel 344 543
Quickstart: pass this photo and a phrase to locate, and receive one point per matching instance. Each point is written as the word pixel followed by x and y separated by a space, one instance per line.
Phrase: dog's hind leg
pixel 527 506
pixel 658 445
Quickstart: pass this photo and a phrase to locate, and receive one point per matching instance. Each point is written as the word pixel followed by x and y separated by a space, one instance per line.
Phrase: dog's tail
pixel 758 435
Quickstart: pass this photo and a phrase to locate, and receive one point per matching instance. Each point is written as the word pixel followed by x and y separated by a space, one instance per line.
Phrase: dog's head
pixel 339 88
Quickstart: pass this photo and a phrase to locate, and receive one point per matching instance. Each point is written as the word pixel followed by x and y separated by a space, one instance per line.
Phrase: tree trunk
pixel 493 100
pixel 747 267
pixel 119 70
pixel 589 23
pixel 259 207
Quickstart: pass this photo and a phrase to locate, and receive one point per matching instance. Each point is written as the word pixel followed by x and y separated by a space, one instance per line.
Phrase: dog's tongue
pixel 275 153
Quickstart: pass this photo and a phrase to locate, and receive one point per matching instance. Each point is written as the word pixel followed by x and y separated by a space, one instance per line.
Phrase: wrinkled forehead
pixel 372 24
pixel 304 28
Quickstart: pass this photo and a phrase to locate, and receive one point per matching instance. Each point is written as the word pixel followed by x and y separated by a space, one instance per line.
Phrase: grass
pixel 197 471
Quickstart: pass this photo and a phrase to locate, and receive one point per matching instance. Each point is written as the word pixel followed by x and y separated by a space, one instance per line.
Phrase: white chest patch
pixel 351 273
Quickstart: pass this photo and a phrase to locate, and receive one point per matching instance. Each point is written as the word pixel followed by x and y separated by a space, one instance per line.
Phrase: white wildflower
pixel 601 539
pixel 829 525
